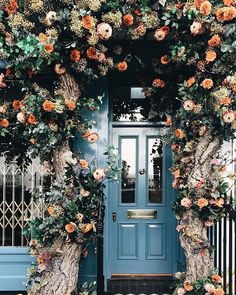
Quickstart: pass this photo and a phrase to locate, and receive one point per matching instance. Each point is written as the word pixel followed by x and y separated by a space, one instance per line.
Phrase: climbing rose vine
pixel 54 50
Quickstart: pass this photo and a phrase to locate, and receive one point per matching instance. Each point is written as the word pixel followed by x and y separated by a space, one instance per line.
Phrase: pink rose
pixel 186 203
pixel 93 137
pixel 84 193
pixel 229 117
pixel 159 35
pixel 21 117
pixel 99 174
pixel 3 109
pixel 188 105
pixel 2 83
pixel 104 31
pixel 196 28
pixel 210 288
pixel 200 183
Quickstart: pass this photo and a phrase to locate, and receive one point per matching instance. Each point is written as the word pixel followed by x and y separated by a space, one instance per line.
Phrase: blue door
pixel 141 231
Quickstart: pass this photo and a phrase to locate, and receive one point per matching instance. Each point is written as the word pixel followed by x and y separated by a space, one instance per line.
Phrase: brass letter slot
pixel 142 214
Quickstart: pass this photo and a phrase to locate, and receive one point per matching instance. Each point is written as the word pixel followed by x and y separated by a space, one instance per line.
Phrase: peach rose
pixel 99 174
pixel 225 101
pixel 83 164
pixel 48 106
pixel 49 48
pixel 196 28
pixel 202 202
pixel 210 56
pixel 86 227
pixel 186 203
pixel 93 137
pixel 104 31
pixel 4 123
pixel 159 35
pixel 219 291
pixel 88 22
pixel 216 278
pixel 70 227
pixel 122 66
pixel 70 104
pixel 214 41
pixel 190 82
pixel 209 288
pixel 179 133
pixel 205 8
pixel 207 83
pixel 188 286
pixel 189 105
pixel 229 117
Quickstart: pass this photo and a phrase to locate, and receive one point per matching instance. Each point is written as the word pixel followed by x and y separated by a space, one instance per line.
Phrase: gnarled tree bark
pixel 194 238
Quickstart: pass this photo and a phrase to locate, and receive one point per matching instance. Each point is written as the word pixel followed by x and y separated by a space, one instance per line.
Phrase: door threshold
pixel 150 276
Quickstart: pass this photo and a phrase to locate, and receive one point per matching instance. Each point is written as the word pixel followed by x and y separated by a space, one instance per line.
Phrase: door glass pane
pixel 128 172
pixel 155 170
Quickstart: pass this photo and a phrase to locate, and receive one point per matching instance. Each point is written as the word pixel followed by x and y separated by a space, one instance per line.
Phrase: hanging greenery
pixel 54 50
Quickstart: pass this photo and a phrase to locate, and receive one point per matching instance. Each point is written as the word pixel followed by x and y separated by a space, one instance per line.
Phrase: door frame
pixel 107 256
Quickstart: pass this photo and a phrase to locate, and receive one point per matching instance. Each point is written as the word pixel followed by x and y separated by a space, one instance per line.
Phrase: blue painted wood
pixel 154 238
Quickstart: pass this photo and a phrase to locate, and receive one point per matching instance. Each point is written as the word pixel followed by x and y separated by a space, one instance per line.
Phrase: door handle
pixel 141 171
pixel 114 216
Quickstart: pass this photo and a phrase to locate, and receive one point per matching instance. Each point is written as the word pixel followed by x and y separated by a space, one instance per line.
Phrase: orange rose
pixel 207 83
pixel 17 104
pixel 75 55
pixel 168 121
pixel 8 72
pixel 42 38
pixel 86 227
pixel 210 56
pixel 220 203
pixel 188 286
pixel 205 8
pixel 50 210
pixel 128 19
pixel 216 278
pixel 48 106
pixel 202 202
pixel 4 123
pixel 219 291
pixel 87 133
pixel 220 14
pixel 70 227
pixel 70 104
pixel 31 119
pixel 197 3
pixel 228 2
pixel 214 41
pixel 122 66
pixel 158 83
pixel 190 82
pixel 83 164
pixel 91 53
pixel 165 59
pixel 179 133
pixel 12 7
pixel 225 101
pixel 88 22
pixel 229 13
pixel 48 48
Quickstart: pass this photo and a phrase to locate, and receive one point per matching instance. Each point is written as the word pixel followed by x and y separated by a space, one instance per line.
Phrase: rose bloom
pixel 91 53
pixel 104 31
pixel 3 109
pixel 205 8
pixel 88 22
pixel 188 286
pixel 181 291
pixel 12 7
pixel 141 29
pixel 86 227
pixel 159 35
pixel 214 41
pixel 216 278
pixel 165 59
pixel 202 202
pixel 48 106
pixel 99 174
pixel 175 183
pixel 70 104
pixel 4 123
pixel 128 19
pixel 219 291
pixel 168 121
pixel 42 38
pixel 93 137
pixel 75 55
pixel 210 55
pixel 186 203
pixel 59 69
pixel 158 83
pixel 84 193
pixel 83 164
pixel 50 210
pixel 229 13
pixel 48 48
pixel 2 83
pixel 70 227
pixel 122 66
pixel 179 133
pixel 228 2
pixel 229 117
pixel 196 28
pixel 225 101
pixel 21 117
pixel 188 105
pixel 209 288
pixel 31 119
pixel 190 81
pixel 207 83
pixel 17 104
pixel 197 3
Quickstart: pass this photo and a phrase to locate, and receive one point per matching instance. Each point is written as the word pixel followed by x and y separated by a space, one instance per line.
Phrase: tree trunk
pixel 63 277
pixel 193 237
